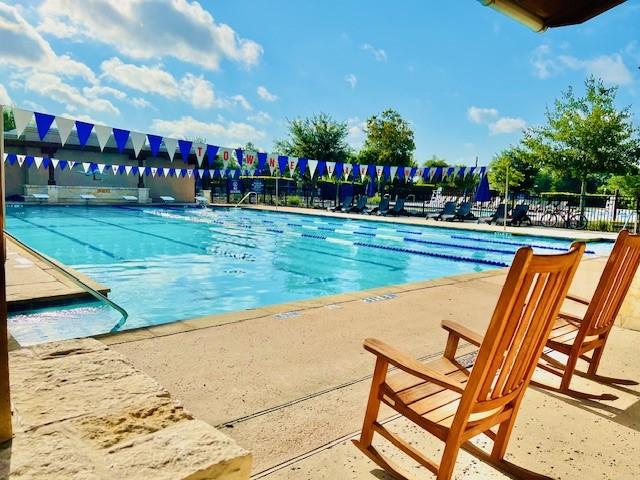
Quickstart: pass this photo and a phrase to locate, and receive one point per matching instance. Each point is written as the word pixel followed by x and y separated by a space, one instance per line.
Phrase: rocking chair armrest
pixel 410 365
pixel 460 331
pixel 577 299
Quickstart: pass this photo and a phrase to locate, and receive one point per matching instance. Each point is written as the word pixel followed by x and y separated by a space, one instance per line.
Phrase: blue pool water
pixel 168 264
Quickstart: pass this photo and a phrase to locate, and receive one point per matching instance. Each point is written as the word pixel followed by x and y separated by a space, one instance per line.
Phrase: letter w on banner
pixel 250 159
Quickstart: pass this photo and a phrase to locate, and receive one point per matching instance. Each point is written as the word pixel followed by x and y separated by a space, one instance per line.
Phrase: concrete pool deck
pixel 291 388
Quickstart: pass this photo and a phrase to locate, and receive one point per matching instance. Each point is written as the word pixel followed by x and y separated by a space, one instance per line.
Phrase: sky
pixel 467 78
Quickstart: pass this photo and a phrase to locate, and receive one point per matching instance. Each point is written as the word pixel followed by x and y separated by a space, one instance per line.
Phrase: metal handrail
pixel 77 281
pixel 245 197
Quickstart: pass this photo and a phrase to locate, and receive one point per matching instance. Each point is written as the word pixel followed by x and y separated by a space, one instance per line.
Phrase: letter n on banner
pixel 272 162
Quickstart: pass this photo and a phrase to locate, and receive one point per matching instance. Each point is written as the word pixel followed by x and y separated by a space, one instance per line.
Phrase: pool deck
pixel 31 280
pixel 289 382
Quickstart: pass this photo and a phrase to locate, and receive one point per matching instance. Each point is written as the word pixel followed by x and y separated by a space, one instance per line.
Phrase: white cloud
pixel 481 115
pixel 356 135
pixel 140 102
pixel 5 99
pixel 151 29
pixel 52 86
pixel 198 91
pixel 259 117
pixel 240 100
pixel 23 48
pixel 378 53
pixel 352 80
pixel 266 95
pixel 99 90
pixel 224 133
pixel 506 125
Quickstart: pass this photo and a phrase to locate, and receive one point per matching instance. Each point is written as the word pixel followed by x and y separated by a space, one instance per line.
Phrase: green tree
pixel 318 137
pixel 628 185
pixel 435 161
pixel 586 136
pixel 389 140
pixel 510 160
pixel 9 123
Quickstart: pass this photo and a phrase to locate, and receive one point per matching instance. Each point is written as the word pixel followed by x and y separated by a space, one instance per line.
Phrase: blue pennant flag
pixel 12 158
pixel 283 163
pixel 216 173
pixel 29 160
pixel 121 170
pixel 321 168
pixel 185 149
pixel 239 156
pixel 135 171
pixel 172 172
pixel 154 144
pixel 43 122
pixel 84 132
pixel 386 171
pixel 212 153
pixel 371 170
pixel 438 174
pixel 93 167
pixel 147 171
pixel 46 162
pixel 121 137
pixel 338 171
pixel 262 160
pixel 302 165
pixel 62 164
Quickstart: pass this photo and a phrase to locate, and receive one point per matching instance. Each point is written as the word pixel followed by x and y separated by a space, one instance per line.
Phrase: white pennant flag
pixel 5 156
pixel 22 118
pixel 293 163
pixel 212 172
pixel 432 172
pixel 407 173
pixel 54 162
pixel 272 162
pixel 201 173
pixel 250 159
pixel 379 170
pixel 363 172
pixel 170 144
pixel 347 168
pixel 71 164
pixel 103 133
pixel 313 164
pixel 226 154
pixel 64 128
pixel 37 161
pixel 200 149
pixel 101 167
pixel 392 172
pixel 165 171
pixel 331 167
pixel 456 170
pixel 21 159
pixel 85 166
pixel 189 172
pixel 154 171
pixel 137 141
pixel 127 169
pixel 114 169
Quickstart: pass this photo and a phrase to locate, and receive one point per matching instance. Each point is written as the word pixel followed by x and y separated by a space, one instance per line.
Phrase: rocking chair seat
pixel 564 333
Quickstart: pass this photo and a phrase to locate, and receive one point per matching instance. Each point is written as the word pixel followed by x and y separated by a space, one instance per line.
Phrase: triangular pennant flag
pixel 189 172
pixel 363 172
pixel 302 165
pixel 226 154
pixel 29 160
pixel 64 128
pixel 85 166
pixel 136 171
pixel 272 162
pixel 154 144
pixel 432 172
pixel 331 167
pixel 200 149
pixel 103 133
pixel 456 171
pixel 239 155
pixel 114 169
pixel 137 142
pixel 200 173
pixel 170 144
pixel 63 164
pixel 185 149
pixel 20 159
pixel 71 164
pixel 212 152
pixel 393 170
pixel 406 173
pixel 211 172
pixel 46 162
pixel 153 171
pixel 293 163
pixel 379 170
pixel 165 172
pixel 482 170
pixel 250 159
pixel 22 118
pixel 127 169
pixel 283 162
pixel 121 137
pixel 347 168
pixel 43 123
pixel 55 162
pixel 37 161
pixel 100 167
pixel 312 167
pixel 84 132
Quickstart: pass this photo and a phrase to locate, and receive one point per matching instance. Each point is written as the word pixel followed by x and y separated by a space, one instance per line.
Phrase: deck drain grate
pixel 284 315
pixel 379 298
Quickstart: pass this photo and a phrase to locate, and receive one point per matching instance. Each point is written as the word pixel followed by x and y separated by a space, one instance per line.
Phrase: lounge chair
pixel 519 215
pixel 130 198
pixel 360 206
pixel 87 197
pixel 398 208
pixel 462 213
pixel 40 197
pixel 449 208
pixel 167 199
pixel 346 204
pixel 574 336
pixel 499 213
pixel 455 404
pixel 382 208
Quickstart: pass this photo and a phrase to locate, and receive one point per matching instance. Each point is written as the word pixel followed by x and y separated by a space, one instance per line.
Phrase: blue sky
pixel 467 78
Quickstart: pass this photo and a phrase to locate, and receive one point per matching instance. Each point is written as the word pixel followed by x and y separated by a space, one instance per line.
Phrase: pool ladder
pixel 247 196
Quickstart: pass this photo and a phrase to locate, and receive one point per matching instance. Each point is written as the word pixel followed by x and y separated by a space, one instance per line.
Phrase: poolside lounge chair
pixel 462 213
pixel 167 199
pixel 575 336
pixel 346 204
pixel 40 197
pixel 499 213
pixel 382 208
pixel 449 208
pixel 130 198
pixel 519 215
pixel 360 206
pixel 87 197
pixel 455 404
pixel 398 208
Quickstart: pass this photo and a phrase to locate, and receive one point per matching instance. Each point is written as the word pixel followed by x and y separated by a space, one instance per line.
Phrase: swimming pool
pixel 169 264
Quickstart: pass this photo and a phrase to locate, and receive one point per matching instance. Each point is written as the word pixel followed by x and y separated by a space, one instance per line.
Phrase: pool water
pixel 169 264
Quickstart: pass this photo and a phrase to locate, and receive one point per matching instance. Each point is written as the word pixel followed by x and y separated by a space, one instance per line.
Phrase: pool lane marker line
pixel 517 244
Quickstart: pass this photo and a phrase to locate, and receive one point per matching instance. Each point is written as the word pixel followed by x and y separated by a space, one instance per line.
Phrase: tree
pixel 318 137
pixel 586 136
pixel 9 123
pixel 435 161
pixel 627 185
pixel 389 140
pixel 509 160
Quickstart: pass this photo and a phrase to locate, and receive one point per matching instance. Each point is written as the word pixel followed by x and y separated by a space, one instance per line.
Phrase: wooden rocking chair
pixel 455 404
pixel 576 336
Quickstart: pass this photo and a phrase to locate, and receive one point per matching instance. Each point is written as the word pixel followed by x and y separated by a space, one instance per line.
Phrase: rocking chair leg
pixel 572 361
pixel 373 404
pixel 448 462
pixel 502 439
pixel 595 361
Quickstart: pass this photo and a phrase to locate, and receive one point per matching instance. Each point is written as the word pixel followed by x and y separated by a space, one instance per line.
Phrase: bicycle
pixel 564 218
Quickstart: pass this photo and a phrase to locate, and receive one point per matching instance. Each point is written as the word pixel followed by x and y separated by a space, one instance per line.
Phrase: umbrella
pixel 482 193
